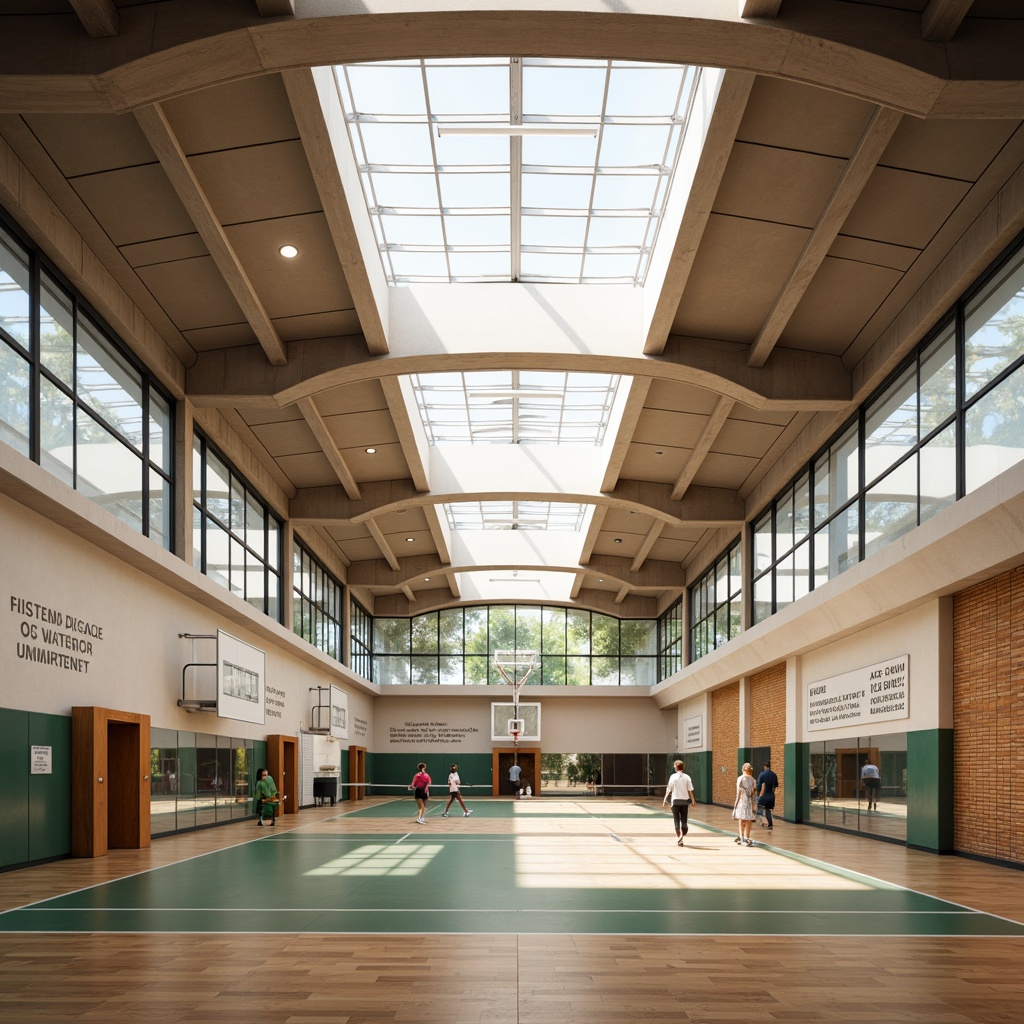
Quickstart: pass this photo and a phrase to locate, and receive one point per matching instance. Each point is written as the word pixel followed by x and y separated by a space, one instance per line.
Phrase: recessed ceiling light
pixel 426 579
pixel 371 451
pixel 659 453
pixel 618 540
pixel 409 540
pixel 600 580
pixel 289 252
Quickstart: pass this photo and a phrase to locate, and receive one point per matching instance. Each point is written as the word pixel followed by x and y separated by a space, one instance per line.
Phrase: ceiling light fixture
pixel 371 451
pixel 289 252
pixel 618 540
pixel 409 540
pixel 509 130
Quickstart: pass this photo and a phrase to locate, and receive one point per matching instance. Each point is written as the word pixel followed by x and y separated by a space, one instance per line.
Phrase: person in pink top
pixel 420 787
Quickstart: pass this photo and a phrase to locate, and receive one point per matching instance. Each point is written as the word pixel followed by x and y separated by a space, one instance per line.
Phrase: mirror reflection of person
pixel 871 780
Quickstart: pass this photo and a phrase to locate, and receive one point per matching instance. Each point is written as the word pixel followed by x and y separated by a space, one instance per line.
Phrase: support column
pixel 930 789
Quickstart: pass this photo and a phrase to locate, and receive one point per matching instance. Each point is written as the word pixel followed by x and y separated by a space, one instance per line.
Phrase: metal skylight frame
pixel 428 215
pixel 515 406
pixel 557 516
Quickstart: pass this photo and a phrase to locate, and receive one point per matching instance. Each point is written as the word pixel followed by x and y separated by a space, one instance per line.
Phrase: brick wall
pixel 725 731
pixel 768 716
pixel 988 718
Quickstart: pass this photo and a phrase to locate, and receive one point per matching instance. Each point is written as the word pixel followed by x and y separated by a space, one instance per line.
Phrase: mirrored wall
pixel 198 779
pixel 860 783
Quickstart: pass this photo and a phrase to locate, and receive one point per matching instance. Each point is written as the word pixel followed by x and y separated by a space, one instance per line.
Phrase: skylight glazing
pixel 515 406
pixel 556 516
pixel 516 169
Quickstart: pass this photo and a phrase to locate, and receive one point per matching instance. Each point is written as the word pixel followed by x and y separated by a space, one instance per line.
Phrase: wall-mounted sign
pixel 693 733
pixel 41 761
pixel 865 696
pixel 241 680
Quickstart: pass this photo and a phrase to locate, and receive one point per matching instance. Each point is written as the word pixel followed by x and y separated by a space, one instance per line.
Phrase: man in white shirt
pixel 513 776
pixel 680 789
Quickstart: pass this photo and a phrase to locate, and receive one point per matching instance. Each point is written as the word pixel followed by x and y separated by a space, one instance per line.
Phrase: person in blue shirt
pixel 767 783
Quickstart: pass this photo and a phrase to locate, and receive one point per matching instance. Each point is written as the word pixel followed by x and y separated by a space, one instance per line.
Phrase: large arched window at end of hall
pixel 236 538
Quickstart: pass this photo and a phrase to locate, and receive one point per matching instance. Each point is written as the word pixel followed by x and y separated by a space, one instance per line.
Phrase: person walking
pixel 266 797
pixel 420 787
pixel 871 780
pixel 743 806
pixel 680 789
pixel 454 784
pixel 767 783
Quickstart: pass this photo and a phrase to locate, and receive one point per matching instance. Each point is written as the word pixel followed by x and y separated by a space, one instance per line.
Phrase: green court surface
pixel 565 868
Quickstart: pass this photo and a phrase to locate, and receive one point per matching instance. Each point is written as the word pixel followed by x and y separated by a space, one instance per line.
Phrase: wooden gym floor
pixel 528 912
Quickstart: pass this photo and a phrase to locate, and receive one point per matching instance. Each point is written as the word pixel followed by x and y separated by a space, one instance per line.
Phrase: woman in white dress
pixel 743 809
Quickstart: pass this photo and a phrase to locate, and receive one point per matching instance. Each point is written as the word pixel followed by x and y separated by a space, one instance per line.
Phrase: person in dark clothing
pixel 767 783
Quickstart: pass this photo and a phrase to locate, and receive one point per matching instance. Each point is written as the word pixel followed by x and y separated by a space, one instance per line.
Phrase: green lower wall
pixel 796 797
pixel 930 789
pixel 37 815
pixel 390 774
pixel 698 767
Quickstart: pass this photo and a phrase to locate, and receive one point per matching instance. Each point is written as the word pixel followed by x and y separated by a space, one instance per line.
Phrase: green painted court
pixel 545 867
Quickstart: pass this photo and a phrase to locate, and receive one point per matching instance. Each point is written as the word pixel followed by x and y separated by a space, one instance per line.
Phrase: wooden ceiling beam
pixel 855 176
pixel 648 542
pixel 382 542
pixel 760 8
pixel 98 17
pixel 713 427
pixel 275 8
pixel 316 423
pixel 707 179
pixel 183 180
pixel 941 19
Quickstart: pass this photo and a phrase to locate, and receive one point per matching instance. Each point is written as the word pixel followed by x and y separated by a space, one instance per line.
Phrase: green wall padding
pixel 37 808
pixel 391 773
pixel 796 793
pixel 930 789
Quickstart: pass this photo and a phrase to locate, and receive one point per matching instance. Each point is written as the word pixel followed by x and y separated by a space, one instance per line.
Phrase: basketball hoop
pixel 515 667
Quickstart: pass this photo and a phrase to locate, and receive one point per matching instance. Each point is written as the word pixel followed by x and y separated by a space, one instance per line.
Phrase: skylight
pixel 557 516
pixel 515 406
pixel 516 169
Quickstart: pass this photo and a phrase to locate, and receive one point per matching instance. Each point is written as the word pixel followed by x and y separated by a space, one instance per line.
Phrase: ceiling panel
pixel 956 149
pixel 291 437
pixel 903 208
pixel 312 282
pixel 339 323
pixel 192 292
pixel 86 144
pixel 656 425
pixel 643 463
pixel 742 437
pixel 235 335
pixel 388 463
pixel 164 250
pixel 800 117
pixel 840 299
pixel 359 397
pixel 670 394
pixel 308 470
pixel 277 181
pixel 737 274
pixel 724 470
pixel 134 204
pixel 801 184
pixel 246 113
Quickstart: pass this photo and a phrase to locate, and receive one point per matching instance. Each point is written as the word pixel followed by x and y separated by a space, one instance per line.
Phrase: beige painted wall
pixel 136 664
pixel 919 633
pixel 584 724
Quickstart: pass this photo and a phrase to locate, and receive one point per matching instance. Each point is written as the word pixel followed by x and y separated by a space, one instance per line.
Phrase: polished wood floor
pixel 519 979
